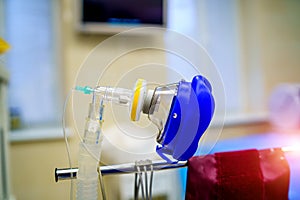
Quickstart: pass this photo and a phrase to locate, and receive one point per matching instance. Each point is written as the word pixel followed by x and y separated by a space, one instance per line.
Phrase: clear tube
pixel 66 141
pixel 92 130
pixel 89 154
pixel 87 178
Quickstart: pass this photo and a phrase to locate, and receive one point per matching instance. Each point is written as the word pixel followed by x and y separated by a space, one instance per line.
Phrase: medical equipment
pixel 181 112
pixel 156 98
pixel 89 153
pixel 271 160
pixel 129 168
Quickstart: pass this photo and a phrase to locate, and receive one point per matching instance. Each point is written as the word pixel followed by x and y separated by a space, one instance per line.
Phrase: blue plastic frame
pixel 191 112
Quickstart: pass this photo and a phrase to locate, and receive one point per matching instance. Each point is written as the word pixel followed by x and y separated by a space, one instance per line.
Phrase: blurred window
pixel 214 25
pixel 34 87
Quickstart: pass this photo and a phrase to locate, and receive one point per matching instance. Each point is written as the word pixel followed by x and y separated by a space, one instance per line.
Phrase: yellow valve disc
pixel 138 99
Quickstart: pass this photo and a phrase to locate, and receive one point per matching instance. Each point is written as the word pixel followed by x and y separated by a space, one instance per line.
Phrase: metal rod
pixel 71 173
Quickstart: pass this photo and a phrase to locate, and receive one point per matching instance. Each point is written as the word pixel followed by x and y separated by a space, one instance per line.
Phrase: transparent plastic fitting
pixel 154 103
pixel 160 106
pixel 119 96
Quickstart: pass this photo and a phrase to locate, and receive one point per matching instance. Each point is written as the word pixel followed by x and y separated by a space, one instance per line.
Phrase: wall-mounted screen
pixel 113 16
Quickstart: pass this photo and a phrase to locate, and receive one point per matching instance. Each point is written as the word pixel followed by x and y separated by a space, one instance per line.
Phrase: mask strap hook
pixel 138 182
pixel 146 182
pixel 151 180
pixel 142 168
pixel 136 186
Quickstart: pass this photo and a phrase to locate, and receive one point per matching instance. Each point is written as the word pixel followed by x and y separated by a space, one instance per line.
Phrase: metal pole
pixel 71 173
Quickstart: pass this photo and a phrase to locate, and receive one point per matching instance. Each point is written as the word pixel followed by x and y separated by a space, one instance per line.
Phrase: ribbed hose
pixel 87 178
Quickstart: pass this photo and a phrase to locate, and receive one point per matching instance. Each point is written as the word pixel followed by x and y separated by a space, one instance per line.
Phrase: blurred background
pixel 254 44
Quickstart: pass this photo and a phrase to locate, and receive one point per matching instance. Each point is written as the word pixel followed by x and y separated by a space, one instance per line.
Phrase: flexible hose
pixel 89 155
pixel 66 141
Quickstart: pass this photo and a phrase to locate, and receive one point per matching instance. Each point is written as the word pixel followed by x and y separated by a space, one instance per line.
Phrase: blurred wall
pixel 270 47
pixel 271 43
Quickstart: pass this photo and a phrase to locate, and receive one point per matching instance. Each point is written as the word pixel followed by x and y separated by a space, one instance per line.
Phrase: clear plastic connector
pixel 118 96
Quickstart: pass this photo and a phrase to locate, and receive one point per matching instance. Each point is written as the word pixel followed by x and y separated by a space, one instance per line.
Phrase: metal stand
pixel 71 173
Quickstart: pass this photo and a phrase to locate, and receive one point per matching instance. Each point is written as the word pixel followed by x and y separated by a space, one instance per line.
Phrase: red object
pixel 248 174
